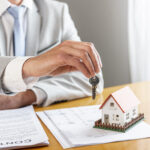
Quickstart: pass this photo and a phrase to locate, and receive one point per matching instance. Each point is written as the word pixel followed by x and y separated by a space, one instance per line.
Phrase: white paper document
pixel 73 127
pixel 20 128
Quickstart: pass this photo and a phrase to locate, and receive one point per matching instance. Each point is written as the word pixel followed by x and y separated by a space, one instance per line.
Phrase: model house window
pixel 117 117
pixel 134 112
pixel 127 116
pixel 112 104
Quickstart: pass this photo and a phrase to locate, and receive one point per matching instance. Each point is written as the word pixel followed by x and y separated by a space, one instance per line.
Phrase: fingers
pixel 82 57
pixel 97 55
pixel 76 63
pixel 99 58
pixel 89 50
pixel 100 61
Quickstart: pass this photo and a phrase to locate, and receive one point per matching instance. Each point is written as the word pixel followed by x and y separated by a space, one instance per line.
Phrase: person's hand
pixel 66 57
pixel 19 100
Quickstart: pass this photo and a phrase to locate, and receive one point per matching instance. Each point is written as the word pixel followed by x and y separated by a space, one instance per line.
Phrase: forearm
pixel 18 100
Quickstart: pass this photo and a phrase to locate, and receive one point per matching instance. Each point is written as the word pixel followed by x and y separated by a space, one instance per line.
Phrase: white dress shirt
pixel 12 78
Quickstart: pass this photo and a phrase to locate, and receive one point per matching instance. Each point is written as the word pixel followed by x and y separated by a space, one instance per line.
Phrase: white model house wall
pixel 112 111
pixel 131 114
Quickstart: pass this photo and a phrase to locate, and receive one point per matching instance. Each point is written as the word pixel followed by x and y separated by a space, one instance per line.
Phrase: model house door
pixel 106 118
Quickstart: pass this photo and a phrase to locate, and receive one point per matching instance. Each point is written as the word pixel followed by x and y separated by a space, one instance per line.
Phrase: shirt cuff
pixel 12 78
pixel 41 96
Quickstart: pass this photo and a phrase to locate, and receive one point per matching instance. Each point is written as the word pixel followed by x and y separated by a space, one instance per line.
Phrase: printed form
pixel 20 128
pixel 73 127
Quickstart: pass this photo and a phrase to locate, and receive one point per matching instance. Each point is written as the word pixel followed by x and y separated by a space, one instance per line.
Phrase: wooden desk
pixel 142 90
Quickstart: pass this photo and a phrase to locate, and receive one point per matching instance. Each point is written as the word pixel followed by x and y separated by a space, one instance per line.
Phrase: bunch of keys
pixel 94 82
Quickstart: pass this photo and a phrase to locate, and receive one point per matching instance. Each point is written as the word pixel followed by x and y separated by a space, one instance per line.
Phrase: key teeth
pixel 94 93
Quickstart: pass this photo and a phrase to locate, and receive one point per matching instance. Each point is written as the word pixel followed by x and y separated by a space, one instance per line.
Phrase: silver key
pixel 94 82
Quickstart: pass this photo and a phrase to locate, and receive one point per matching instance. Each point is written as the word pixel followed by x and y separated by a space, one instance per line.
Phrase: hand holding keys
pixel 94 82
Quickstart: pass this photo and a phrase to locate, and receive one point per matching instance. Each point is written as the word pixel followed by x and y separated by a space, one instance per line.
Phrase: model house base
pixel 119 128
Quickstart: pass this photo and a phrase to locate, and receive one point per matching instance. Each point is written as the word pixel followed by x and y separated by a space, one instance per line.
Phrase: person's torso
pixel 44 29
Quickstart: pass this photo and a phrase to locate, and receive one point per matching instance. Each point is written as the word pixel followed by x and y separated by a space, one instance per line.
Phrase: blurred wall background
pixel 105 23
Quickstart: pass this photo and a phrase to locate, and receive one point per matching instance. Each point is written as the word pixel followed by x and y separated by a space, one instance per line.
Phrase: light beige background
pixel 105 23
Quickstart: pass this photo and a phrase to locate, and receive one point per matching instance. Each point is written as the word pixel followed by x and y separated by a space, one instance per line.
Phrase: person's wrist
pixel 23 99
pixel 27 98
pixel 28 68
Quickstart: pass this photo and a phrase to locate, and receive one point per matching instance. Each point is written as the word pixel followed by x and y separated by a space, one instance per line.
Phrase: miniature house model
pixel 119 111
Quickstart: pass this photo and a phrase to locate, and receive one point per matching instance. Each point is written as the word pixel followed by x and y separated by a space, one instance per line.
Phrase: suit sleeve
pixel 11 80
pixel 69 86
pixel 68 26
pixel 4 61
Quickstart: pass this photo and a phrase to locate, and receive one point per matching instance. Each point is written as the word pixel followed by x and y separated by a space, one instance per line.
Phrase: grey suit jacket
pixel 3 63
pixel 49 24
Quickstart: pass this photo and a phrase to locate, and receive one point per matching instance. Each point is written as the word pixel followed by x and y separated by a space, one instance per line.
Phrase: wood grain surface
pixel 142 91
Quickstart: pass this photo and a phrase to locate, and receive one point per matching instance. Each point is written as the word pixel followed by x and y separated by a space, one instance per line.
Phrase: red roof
pixel 125 98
